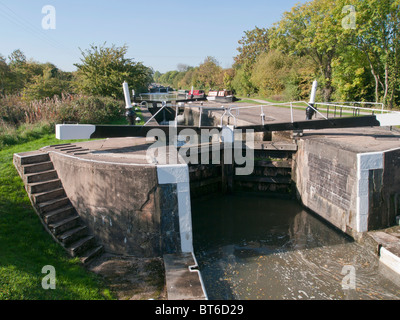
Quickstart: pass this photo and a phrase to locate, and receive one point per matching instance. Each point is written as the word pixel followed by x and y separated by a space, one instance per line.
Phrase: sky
pixel 160 34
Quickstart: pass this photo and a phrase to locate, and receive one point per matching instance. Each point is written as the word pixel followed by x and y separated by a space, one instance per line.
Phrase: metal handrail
pixel 163 106
pixel 228 111
pixel 357 108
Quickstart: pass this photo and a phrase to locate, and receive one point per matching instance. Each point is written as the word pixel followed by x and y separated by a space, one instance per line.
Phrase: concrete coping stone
pixel 182 281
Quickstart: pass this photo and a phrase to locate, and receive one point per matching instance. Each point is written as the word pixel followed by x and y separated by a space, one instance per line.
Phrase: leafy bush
pixel 93 110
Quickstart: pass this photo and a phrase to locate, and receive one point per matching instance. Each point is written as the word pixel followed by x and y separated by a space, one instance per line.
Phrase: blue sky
pixel 161 34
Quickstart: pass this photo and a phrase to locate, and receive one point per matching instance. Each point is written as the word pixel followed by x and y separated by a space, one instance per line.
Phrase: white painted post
pixel 262 116
pixel 179 174
pixel 313 92
pixel 200 116
pixel 127 96
pixel 291 111
pixel 176 114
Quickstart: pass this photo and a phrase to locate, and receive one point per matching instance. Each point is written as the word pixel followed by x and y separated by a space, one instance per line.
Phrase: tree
pixel 242 82
pixel 270 70
pixel 17 58
pixel 276 73
pixel 188 79
pixel 377 36
pixel 5 76
pixel 351 76
pixel 311 29
pixel 156 76
pixel 253 43
pixel 50 83
pixel 209 74
pixel 229 75
pixel 103 70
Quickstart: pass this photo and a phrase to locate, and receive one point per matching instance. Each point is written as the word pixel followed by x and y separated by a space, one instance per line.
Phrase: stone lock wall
pixel 326 182
pixel 119 203
pixel 356 192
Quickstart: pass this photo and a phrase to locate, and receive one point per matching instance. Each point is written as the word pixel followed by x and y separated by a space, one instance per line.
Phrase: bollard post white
pixel 127 96
pixel 313 92
pixel 291 112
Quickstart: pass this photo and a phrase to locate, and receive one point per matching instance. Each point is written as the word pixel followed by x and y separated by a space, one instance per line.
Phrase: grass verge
pixel 25 247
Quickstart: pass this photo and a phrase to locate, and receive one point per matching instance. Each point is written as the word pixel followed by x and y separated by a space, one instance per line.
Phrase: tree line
pixel 351 47
pixel 100 72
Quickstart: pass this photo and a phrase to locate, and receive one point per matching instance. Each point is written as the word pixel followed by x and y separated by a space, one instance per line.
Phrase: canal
pixel 253 247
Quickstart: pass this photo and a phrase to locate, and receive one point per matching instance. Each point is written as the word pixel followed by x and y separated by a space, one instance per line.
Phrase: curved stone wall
pixel 118 202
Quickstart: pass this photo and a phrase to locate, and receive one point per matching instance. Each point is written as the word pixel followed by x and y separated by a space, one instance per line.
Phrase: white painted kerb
pixel 389 119
pixel 389 259
pixel 179 174
pixel 74 131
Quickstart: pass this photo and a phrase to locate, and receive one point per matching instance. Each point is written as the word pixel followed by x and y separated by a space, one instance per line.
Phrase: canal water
pixel 252 247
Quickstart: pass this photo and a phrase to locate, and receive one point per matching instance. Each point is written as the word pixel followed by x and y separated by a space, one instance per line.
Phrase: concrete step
pixel 46 186
pixel 87 256
pixel 48 195
pixel 41 176
pixel 77 149
pixel 59 214
pixel 38 167
pixel 181 281
pixel 60 146
pixel 68 147
pixel 73 235
pixel 36 158
pixel 62 226
pixel 82 245
pixel 53 204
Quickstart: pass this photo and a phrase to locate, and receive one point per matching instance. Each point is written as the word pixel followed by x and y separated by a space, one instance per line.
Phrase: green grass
pixel 25 247
pixel 249 101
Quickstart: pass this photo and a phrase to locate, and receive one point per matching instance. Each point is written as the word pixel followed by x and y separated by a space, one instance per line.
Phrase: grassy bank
pixel 25 247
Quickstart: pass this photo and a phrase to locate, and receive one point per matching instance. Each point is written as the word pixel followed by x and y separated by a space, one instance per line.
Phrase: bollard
pixel 309 113
pixel 130 115
pixel 310 109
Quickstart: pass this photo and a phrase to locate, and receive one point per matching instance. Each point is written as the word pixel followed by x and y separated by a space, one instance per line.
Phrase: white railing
pixel 324 110
pixel 331 109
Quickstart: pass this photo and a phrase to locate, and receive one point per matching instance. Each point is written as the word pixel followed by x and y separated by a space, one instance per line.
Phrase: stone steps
pixel 38 167
pixel 42 187
pixel 53 206
pixel 41 176
pixel 48 195
pixel 58 214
